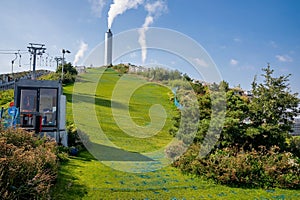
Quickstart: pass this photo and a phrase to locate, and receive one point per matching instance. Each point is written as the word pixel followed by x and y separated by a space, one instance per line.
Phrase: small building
pixel 296 126
pixel 42 107
pixel 80 69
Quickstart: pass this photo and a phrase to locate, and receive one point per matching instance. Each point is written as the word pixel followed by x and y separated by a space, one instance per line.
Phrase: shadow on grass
pixel 75 98
pixel 84 156
pixel 108 153
pixel 80 79
pixel 68 186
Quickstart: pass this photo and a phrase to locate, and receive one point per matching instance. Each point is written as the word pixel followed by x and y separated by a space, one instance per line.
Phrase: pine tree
pixel 272 110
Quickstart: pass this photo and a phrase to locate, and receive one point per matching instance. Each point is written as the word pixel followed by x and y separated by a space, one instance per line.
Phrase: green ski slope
pixel 84 177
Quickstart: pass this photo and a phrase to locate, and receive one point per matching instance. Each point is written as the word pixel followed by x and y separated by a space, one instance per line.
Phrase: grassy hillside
pixel 84 177
pixel 138 106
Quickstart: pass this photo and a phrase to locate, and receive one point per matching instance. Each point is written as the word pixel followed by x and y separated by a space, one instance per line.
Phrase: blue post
pixel 1 114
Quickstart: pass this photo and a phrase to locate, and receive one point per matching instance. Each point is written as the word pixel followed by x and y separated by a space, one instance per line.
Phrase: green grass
pixel 84 177
pixel 139 104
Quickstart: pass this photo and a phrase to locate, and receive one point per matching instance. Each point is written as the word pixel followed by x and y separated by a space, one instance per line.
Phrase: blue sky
pixel 240 36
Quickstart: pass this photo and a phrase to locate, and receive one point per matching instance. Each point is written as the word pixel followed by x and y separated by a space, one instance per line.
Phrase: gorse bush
pixel 28 165
pixel 255 169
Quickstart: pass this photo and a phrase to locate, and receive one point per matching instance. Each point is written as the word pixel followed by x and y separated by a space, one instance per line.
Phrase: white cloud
pixel 237 40
pixel 201 62
pixel 156 8
pixel 284 58
pixel 234 62
pixel 97 6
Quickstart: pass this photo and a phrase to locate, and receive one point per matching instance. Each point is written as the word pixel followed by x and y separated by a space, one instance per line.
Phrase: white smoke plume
pixel 154 10
pixel 118 7
pixel 80 53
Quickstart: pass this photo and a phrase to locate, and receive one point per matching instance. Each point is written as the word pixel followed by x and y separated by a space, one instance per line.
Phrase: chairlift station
pixel 42 108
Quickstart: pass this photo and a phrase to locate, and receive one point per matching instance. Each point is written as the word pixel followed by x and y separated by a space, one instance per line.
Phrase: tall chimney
pixel 108 48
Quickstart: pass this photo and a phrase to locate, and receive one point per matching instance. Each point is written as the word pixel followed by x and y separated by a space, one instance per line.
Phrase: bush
pixel 69 78
pixel 174 151
pixel 294 145
pixel 70 73
pixel 62 153
pixel 28 165
pixel 76 138
pixel 121 68
pixel 51 76
pixel 257 168
pixel 6 97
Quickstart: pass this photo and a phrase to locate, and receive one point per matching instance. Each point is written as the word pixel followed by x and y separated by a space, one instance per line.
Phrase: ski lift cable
pixel 16 57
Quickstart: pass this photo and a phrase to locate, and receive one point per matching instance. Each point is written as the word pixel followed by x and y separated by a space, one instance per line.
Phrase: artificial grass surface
pixel 136 107
pixel 85 177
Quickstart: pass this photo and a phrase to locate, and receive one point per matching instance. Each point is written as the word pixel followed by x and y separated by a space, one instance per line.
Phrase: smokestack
pixel 108 48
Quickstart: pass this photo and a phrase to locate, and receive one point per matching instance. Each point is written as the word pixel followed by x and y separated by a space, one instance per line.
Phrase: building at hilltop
pixel 296 126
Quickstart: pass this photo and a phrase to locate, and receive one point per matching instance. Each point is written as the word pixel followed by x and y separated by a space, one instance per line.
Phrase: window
pixel 28 100
pixel 38 106
pixel 48 106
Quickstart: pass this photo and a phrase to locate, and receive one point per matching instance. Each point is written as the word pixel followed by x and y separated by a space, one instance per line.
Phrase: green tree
pixel 67 68
pixel 186 77
pixel 198 88
pixel 237 111
pixel 70 73
pixel 272 110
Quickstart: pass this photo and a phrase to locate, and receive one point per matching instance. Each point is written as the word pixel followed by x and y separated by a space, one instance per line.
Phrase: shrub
pixel 28 165
pixel 121 68
pixel 76 138
pixel 73 137
pixel 294 145
pixel 174 151
pixel 256 168
pixel 6 97
pixel 69 78
pixel 62 153
pixel 51 76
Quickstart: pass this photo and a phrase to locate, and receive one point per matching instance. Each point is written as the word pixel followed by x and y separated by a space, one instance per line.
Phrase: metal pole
pixel 33 65
pixel 12 69
pixel 12 66
pixel 35 49
pixel 57 59
pixel 62 67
